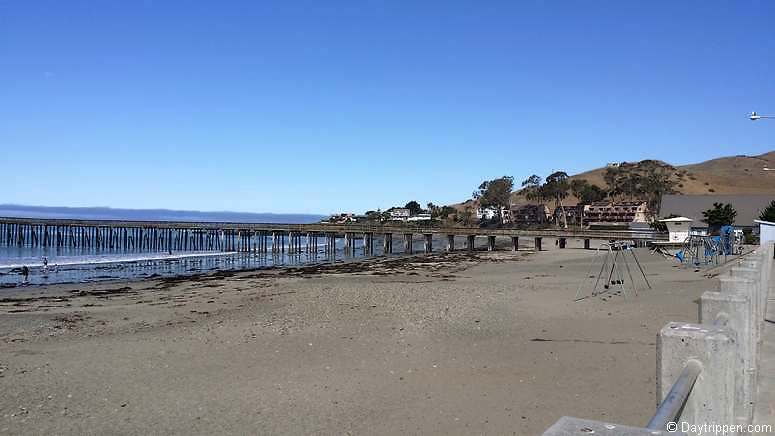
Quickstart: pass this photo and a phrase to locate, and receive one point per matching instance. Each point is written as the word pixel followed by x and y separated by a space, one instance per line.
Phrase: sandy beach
pixel 459 343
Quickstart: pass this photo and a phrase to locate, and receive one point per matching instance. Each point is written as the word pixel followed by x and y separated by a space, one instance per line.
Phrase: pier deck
pixel 246 237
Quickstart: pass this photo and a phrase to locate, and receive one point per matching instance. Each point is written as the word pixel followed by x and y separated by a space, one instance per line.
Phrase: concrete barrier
pixel 720 354
pixel 711 398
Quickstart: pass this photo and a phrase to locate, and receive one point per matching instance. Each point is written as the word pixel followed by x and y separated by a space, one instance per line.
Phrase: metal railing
pixel 675 400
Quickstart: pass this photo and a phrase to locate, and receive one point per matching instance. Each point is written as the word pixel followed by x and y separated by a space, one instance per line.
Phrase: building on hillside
pixel 616 212
pixel 748 207
pixel 340 218
pixel 573 213
pixel 399 214
pixel 490 213
pixel 420 217
pixel 530 214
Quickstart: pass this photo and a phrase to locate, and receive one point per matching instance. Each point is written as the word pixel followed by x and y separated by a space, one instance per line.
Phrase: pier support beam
pixel 408 243
pixel 537 242
pixel 312 245
pixel 491 243
pixel 515 243
pixel 561 242
pixel 428 242
pixel 387 243
pixel 471 242
pixel 368 243
pixel 586 244
pixel 450 242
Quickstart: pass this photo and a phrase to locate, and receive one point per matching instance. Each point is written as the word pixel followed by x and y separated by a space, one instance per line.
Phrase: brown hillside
pixel 726 175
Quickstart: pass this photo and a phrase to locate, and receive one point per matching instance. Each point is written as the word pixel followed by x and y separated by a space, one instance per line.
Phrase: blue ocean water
pixel 51 265
pixel 75 265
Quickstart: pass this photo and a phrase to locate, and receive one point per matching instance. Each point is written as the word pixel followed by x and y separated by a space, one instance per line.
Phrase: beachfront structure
pixel 748 208
pixel 399 214
pixel 420 217
pixel 616 212
pixel 492 212
pixel 168 236
pixel 573 213
pixel 678 228
pixel 766 231
pixel 530 215
pixel 486 213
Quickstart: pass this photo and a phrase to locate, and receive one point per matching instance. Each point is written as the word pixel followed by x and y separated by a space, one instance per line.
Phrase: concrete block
pixel 758 296
pixel 712 399
pixel 568 426
pixel 736 309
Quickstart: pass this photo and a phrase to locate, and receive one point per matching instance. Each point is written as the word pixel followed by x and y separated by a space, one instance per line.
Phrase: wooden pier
pixel 167 236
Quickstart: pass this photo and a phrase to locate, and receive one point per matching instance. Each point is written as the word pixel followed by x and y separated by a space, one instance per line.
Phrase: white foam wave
pixel 114 259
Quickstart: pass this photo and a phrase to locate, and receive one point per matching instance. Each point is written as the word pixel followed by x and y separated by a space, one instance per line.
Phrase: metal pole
pixel 674 401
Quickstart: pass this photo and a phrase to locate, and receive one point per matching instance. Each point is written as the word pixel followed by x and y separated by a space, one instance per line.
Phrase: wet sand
pixel 484 343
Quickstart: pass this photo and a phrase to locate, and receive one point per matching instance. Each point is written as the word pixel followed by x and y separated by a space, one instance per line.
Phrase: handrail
pixel 671 406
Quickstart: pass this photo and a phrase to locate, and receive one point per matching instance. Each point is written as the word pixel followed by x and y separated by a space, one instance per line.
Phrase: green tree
pixel 445 211
pixel 466 217
pixel 655 183
pixel 414 207
pixel 496 193
pixel 585 192
pixel 374 215
pixel 719 215
pixel 614 180
pixel 647 180
pixel 577 186
pixel 533 189
pixel 591 194
pixel 556 187
pixel 768 214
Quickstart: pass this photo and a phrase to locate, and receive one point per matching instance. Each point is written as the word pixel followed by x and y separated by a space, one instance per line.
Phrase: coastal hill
pixel 727 175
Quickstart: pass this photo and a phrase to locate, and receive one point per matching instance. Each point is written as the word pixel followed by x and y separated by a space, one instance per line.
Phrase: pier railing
pixel 706 372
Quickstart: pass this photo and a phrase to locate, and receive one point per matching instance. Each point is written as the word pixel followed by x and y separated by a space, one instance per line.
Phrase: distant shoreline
pixel 108 213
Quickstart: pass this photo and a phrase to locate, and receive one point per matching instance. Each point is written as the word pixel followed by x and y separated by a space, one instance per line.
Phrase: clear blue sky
pixel 323 106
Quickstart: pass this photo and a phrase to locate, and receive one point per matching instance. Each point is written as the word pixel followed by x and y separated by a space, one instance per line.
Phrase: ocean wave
pixel 64 261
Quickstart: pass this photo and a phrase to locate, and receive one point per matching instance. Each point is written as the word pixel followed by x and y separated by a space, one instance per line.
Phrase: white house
pixel 678 228
pixel 491 212
pixel 766 231
pixel 399 214
pixel 420 217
